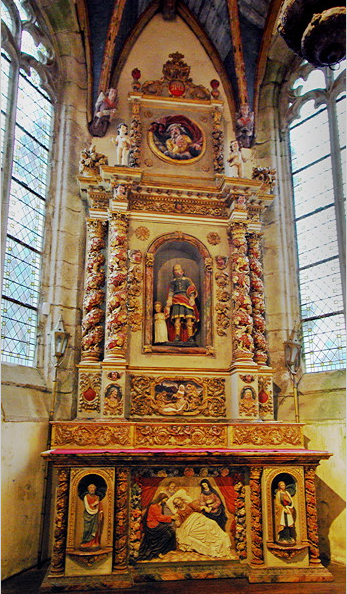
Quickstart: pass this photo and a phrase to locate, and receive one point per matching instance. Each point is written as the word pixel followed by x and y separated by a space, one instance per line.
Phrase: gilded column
pixel 217 141
pixel 242 321
pixel 60 522
pixel 135 135
pixel 93 314
pixel 116 310
pixel 256 516
pixel 257 298
pixel 121 519
pixel 311 515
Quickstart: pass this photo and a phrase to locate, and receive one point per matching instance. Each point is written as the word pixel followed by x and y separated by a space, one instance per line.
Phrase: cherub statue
pixel 122 144
pixel 235 159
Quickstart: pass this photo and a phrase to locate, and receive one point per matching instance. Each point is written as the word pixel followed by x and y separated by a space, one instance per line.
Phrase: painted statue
pixel 245 126
pixel 122 144
pixel 180 306
pixel 211 504
pixel 284 515
pixel 196 532
pixel 177 137
pixel 160 326
pixel 105 110
pixel 159 534
pixel 93 516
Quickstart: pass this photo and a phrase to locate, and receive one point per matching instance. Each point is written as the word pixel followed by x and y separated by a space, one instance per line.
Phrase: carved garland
pixel 135 135
pixel 180 435
pixel 89 396
pixel 93 315
pixel 256 516
pixel 116 311
pixel 243 345
pixel 222 306
pixel 87 435
pixel 251 435
pixel 257 298
pixel 135 289
pixel 217 141
pixel 240 518
pixel 60 522
pixel 121 519
pixel 311 515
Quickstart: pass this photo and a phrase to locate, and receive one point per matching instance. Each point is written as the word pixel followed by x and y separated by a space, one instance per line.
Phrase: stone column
pixel 242 321
pixel 311 515
pixel 121 519
pixel 257 298
pixel 93 314
pixel 256 516
pixel 60 522
pixel 116 306
pixel 135 135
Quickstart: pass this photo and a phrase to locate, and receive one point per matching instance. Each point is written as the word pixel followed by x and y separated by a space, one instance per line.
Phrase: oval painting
pixel 176 139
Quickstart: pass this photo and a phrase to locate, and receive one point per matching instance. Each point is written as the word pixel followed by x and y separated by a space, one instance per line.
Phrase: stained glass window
pixel 28 162
pixel 318 149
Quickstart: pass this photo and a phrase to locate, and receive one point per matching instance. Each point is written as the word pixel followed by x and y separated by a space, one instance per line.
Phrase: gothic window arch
pixel 317 147
pixel 27 110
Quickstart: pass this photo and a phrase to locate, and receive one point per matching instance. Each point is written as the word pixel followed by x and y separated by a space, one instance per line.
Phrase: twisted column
pixel 93 314
pixel 256 516
pixel 121 519
pixel 116 310
pixel 257 298
pixel 242 321
pixel 217 141
pixel 60 522
pixel 311 515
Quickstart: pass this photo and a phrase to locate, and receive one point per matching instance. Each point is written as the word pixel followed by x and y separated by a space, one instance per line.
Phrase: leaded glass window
pixel 27 118
pixel 318 149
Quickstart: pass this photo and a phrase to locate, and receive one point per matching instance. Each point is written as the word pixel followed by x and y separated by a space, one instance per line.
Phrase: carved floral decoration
pixel 265 396
pixel 257 298
pixel 89 392
pixel 135 276
pixel 222 306
pixel 85 435
pixel 135 135
pixel 121 519
pixel 256 516
pixel 180 435
pixel 142 233
pixel 240 517
pixel 213 238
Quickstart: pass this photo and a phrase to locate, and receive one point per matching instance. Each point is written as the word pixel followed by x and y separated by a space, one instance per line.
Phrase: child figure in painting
pixel 122 144
pixel 160 327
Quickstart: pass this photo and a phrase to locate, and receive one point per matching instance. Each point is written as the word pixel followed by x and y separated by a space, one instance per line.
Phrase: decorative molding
pixel 142 233
pixel 180 435
pixel 89 392
pixel 217 141
pixel 256 516
pixel 135 135
pixel 240 518
pixel 91 435
pixel 257 298
pixel 60 522
pixel 311 514
pixel 121 518
pixel 141 201
pixel 258 436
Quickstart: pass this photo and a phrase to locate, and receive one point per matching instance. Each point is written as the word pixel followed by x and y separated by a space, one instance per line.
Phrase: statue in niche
pixel 177 138
pixel 93 517
pixel 105 110
pixel 160 326
pixel 180 308
pixel 285 513
pixel 122 144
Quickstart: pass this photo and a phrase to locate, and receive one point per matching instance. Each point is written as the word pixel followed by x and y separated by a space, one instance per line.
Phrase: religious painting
pixel 189 514
pixel 176 139
pixel 113 403
pixel 177 398
pixel 284 509
pixel 248 401
pixel 89 539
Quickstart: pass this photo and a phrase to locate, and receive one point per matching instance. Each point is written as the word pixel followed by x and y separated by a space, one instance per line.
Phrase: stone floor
pixel 29 582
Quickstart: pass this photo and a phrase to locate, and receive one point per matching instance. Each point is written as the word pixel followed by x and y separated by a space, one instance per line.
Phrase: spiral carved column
pixel 121 519
pixel 311 515
pixel 116 310
pixel 257 298
pixel 242 320
pixel 60 522
pixel 93 314
pixel 256 516
pixel 217 141
pixel 135 135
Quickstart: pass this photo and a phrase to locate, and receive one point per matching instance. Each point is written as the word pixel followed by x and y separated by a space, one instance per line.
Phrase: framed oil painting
pixel 176 139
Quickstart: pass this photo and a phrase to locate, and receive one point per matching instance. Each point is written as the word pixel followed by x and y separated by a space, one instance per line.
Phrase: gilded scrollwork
pixel 60 522
pixel 311 515
pixel 135 276
pixel 180 435
pixel 135 135
pixel 240 518
pixel 121 520
pixel 177 396
pixel 116 309
pixel 223 295
pixel 257 436
pixel 84 435
pixel 89 392
pixel 217 141
pixel 172 205
pixel 257 298
pixel 93 314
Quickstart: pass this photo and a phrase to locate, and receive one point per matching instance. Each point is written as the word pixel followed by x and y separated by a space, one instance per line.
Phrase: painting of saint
pixel 285 513
pixel 159 535
pixel 176 138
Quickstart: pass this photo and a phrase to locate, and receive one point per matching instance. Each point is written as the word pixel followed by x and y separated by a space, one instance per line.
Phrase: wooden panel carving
pixel 180 435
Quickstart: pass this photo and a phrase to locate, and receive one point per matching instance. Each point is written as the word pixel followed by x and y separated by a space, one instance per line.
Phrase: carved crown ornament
pixel 175 82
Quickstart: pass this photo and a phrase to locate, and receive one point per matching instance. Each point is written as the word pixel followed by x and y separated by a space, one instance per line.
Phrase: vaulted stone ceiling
pixel 212 16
